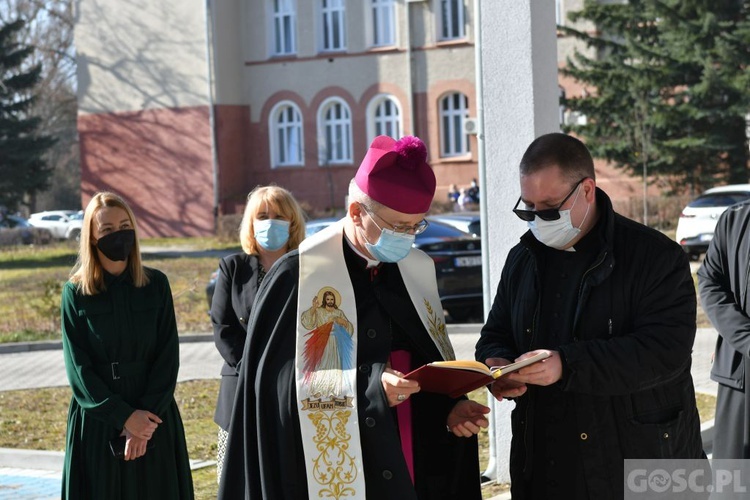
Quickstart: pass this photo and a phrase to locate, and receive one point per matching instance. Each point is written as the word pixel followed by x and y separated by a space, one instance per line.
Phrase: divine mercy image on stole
pixel 329 349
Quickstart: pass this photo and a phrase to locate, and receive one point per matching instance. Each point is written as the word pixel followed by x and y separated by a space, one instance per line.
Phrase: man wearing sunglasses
pixel 613 302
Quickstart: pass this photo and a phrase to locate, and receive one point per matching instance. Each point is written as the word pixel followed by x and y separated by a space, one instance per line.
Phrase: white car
pixel 56 221
pixel 74 227
pixel 695 229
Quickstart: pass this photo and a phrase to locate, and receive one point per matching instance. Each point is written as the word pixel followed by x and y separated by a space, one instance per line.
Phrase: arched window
pixel 452 19
pixel 333 27
pixel 383 23
pixel 454 109
pixel 285 126
pixel 284 27
pixel 335 125
pixel 384 117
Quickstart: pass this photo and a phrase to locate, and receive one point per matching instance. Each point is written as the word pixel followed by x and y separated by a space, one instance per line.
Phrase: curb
pixel 53 460
pixel 43 345
pixel 51 345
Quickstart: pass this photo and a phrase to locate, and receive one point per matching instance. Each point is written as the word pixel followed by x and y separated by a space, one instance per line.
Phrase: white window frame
pixel 559 13
pixel 281 11
pixel 330 28
pixel 390 125
pixel 446 21
pixel 453 139
pixel 282 131
pixel 340 127
pixel 383 22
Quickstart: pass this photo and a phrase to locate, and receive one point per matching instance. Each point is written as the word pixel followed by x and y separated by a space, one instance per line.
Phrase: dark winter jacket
pixel 723 282
pixel 627 368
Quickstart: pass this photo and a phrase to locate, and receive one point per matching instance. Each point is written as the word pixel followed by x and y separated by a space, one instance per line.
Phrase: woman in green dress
pixel 121 355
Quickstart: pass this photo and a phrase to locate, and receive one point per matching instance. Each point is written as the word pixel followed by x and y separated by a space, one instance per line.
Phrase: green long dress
pixel 135 328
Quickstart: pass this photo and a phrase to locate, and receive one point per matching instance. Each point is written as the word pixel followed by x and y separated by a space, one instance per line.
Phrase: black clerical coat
pixel 264 457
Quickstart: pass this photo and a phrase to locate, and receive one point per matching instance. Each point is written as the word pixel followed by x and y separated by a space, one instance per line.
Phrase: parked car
pixel 695 228
pixel 74 226
pixel 16 230
pixel 56 221
pixel 458 266
pixel 468 222
pixel 14 221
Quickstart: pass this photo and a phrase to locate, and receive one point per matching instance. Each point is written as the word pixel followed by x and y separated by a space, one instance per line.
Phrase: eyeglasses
pixel 547 214
pixel 417 228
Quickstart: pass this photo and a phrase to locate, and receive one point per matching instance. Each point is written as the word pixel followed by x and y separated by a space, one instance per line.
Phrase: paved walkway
pixel 36 475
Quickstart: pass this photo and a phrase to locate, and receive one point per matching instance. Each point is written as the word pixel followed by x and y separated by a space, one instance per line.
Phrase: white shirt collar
pixel 370 262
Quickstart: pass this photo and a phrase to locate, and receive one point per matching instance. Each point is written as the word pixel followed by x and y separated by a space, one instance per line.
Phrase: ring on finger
pixel 401 397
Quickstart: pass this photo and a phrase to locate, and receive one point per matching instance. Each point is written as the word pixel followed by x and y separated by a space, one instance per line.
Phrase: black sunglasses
pixel 547 214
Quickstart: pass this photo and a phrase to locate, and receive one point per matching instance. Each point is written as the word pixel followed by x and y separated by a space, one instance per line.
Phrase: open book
pixel 456 378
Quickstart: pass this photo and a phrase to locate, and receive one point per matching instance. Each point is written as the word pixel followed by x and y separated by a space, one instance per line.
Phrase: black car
pixel 458 266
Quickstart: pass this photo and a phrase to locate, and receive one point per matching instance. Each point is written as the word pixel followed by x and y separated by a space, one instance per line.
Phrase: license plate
pixel 468 261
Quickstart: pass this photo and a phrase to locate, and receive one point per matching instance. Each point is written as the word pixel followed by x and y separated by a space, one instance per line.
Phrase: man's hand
pixel 467 418
pixel 504 387
pixel 141 424
pixel 545 372
pixel 397 388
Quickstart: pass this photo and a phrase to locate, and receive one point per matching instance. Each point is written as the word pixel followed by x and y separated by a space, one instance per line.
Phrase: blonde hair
pixel 88 273
pixel 284 204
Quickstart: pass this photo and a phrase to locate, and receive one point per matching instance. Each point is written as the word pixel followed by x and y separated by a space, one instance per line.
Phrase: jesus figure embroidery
pixel 329 348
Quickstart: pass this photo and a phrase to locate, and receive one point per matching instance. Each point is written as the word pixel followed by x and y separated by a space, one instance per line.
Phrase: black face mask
pixel 117 246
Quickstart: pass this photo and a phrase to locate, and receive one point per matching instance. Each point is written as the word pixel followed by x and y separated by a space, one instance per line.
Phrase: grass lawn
pixel 32 279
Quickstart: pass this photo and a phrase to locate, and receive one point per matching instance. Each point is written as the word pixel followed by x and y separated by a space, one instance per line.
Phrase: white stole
pixel 326 358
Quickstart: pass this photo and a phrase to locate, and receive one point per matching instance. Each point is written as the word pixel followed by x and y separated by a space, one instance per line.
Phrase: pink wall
pixel 158 160
pixel 234 153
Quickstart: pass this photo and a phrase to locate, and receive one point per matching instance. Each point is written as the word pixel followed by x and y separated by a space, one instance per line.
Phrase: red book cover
pixel 456 378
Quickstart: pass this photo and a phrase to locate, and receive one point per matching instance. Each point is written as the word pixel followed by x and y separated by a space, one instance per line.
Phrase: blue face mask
pixel 391 246
pixel 271 234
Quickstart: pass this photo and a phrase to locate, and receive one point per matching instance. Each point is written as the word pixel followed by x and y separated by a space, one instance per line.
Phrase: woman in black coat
pixel 272 225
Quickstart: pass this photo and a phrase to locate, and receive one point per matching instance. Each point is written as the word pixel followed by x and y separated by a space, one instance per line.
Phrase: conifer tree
pixel 23 170
pixel 670 88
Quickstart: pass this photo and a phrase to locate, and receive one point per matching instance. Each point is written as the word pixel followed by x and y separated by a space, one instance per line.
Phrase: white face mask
pixel 557 233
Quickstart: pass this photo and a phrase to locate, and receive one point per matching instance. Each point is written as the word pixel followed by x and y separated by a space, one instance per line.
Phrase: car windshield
pixel 718 199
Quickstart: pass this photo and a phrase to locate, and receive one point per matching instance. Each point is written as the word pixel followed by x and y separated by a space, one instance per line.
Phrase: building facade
pixel 184 109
